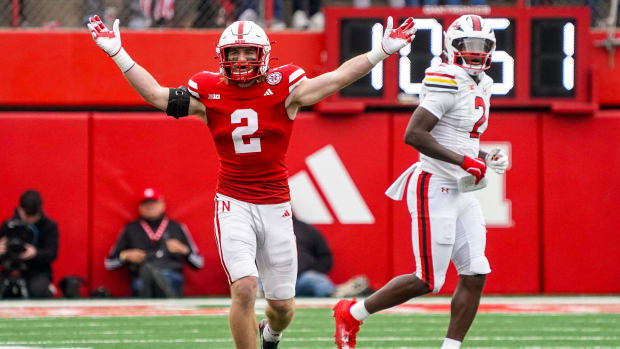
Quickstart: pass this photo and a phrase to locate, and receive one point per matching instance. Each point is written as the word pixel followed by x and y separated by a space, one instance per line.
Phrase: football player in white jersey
pixel 447 221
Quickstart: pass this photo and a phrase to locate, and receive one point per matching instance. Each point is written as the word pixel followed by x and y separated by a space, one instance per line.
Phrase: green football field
pixel 204 324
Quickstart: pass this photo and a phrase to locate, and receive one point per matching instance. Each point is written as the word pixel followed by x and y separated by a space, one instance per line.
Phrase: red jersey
pixel 251 130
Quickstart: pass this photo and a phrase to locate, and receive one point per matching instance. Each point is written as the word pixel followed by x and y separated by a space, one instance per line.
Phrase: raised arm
pixel 139 78
pixel 313 90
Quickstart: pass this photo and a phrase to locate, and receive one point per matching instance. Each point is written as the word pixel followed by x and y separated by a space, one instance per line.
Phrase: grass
pixel 313 328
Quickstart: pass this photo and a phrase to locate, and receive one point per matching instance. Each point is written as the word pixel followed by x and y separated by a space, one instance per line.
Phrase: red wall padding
pixel 561 187
pixel 83 75
pixel 133 151
pixel 581 163
pixel 67 68
pixel 362 143
pixel 49 152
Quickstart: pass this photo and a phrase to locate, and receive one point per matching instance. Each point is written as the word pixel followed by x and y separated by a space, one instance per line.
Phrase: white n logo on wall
pixel 336 186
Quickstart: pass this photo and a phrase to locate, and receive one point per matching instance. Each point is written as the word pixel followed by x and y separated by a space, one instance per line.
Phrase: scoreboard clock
pixel 540 60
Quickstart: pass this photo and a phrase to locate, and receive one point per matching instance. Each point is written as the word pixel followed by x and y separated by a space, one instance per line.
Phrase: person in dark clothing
pixel 28 246
pixel 154 247
pixel 314 261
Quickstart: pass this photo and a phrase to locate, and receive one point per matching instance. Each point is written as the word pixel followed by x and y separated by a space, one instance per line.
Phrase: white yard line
pixel 194 302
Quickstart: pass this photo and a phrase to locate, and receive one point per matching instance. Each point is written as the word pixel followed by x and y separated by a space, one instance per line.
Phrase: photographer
pixel 28 245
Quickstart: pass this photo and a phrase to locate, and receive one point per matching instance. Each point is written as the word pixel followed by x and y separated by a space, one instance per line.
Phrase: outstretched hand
pixel 395 39
pixel 108 41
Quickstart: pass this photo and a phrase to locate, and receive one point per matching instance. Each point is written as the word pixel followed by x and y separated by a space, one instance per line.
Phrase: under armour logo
pixel 286 213
pixel 444 190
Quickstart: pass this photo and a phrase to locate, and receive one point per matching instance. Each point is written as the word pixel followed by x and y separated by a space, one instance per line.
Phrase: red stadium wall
pixel 64 68
pixel 561 228
pixel 581 162
pixel 91 167
pixel 49 152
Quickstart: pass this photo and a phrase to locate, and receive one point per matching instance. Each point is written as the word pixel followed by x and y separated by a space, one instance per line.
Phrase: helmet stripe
pixel 477 23
pixel 240 30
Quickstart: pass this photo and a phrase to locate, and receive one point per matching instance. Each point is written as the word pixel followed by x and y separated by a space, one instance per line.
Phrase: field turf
pixel 205 326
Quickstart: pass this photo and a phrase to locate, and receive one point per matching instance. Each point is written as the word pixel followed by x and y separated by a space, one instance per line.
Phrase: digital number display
pixel 553 58
pixel 359 34
pixel 538 62
pixel 362 35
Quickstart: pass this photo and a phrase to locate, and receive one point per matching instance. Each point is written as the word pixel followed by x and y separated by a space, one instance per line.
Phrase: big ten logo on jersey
pixel 496 207
pixel 335 185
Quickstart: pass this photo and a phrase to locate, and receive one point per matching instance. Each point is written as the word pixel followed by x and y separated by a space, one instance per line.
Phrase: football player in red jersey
pixel 249 108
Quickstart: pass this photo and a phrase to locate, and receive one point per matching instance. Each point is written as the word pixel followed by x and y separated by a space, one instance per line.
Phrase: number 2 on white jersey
pixel 479 104
pixel 237 134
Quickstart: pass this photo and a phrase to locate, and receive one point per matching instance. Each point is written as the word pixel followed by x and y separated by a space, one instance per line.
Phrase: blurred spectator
pixel 314 261
pixel 154 247
pixel 598 17
pixel 28 246
pixel 159 13
pixel 247 10
pixel 402 3
pixel 213 14
pixel 307 15
pixel 138 14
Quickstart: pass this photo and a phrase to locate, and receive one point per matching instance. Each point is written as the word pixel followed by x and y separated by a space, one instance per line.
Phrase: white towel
pixel 397 189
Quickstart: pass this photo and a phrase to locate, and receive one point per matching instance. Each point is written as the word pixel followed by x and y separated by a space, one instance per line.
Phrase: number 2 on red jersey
pixel 237 134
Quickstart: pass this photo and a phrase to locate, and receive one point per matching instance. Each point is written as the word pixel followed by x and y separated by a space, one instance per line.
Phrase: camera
pixel 16 236
pixel 13 285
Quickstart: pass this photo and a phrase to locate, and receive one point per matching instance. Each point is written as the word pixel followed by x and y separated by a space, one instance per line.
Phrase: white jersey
pixel 462 107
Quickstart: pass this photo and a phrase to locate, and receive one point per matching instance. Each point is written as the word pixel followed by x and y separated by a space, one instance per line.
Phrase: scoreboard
pixel 540 60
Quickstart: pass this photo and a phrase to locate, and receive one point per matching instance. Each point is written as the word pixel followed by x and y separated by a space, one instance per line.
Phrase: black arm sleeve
pixel 178 102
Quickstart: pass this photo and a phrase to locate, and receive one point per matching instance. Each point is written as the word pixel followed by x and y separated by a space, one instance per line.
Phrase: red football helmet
pixel 243 34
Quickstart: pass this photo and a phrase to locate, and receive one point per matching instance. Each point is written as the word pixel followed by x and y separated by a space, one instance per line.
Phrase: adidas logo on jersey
pixel 268 92
pixel 286 214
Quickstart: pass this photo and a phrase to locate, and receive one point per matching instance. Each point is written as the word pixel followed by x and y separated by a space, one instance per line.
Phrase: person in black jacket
pixel 154 247
pixel 28 246
pixel 314 261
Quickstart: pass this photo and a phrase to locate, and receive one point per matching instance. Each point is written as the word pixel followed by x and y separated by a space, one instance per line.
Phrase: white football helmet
pixel 470 42
pixel 247 34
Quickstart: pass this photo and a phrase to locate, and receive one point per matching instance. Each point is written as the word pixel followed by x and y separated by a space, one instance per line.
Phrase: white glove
pixel 497 160
pixel 110 42
pixel 393 40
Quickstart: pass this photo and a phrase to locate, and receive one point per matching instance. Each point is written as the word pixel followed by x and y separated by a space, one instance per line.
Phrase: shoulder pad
pixel 201 80
pixel 290 75
pixel 441 78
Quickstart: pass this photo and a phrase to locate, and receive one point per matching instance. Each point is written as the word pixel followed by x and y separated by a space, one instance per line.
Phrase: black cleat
pixel 263 343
